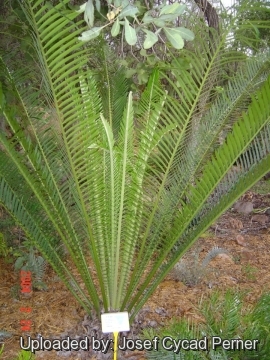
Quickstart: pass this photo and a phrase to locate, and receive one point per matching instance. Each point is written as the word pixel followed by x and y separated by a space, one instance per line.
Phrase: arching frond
pixel 127 189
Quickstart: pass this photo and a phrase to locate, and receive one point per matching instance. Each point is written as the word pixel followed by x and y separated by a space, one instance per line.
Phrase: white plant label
pixel 115 322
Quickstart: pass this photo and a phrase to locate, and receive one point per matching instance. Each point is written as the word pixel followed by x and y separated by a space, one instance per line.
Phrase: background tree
pixel 258 36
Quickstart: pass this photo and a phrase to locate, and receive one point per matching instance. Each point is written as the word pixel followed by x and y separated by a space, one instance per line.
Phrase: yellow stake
pixel 115 337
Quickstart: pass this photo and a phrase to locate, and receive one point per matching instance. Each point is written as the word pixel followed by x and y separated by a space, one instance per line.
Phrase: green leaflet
pixel 98 6
pixel 2 97
pixel 158 22
pixel 150 40
pixel 130 33
pixel 116 27
pixel 147 19
pixel 174 37
pixel 129 10
pixel 90 34
pixel 89 13
pixel 168 17
pixel 175 8
pixel 185 33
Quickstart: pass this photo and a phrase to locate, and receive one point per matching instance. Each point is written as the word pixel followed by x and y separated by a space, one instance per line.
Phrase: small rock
pixel 243 207
pixel 152 323
pixel 146 309
pixel 4 334
pixel 241 240
pixel 161 311
pixel 64 353
pixel 262 219
pixel 26 295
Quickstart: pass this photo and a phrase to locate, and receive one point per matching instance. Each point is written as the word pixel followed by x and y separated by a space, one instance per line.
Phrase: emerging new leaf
pixel 130 34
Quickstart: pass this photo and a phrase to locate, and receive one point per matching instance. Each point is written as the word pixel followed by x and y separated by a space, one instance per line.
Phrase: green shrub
pixel 23 355
pixel 226 317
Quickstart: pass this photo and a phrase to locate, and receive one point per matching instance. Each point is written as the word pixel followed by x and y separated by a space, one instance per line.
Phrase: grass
pixel 262 187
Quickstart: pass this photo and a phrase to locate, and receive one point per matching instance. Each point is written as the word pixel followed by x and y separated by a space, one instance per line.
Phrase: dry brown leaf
pixel 236 224
pixel 241 240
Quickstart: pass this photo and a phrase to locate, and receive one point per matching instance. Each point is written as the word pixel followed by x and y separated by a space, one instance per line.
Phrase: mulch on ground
pixel 55 314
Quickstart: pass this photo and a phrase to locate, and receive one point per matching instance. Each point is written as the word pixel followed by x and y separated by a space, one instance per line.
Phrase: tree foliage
pixel 134 22
pixel 256 13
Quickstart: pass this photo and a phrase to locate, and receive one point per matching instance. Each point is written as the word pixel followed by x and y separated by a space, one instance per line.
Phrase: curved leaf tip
pixel 90 34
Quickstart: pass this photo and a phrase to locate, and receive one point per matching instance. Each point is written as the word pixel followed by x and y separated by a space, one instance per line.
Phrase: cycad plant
pixel 126 189
pixel 225 316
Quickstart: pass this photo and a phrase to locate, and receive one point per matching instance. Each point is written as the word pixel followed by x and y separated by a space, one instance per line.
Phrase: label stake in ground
pixel 113 323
